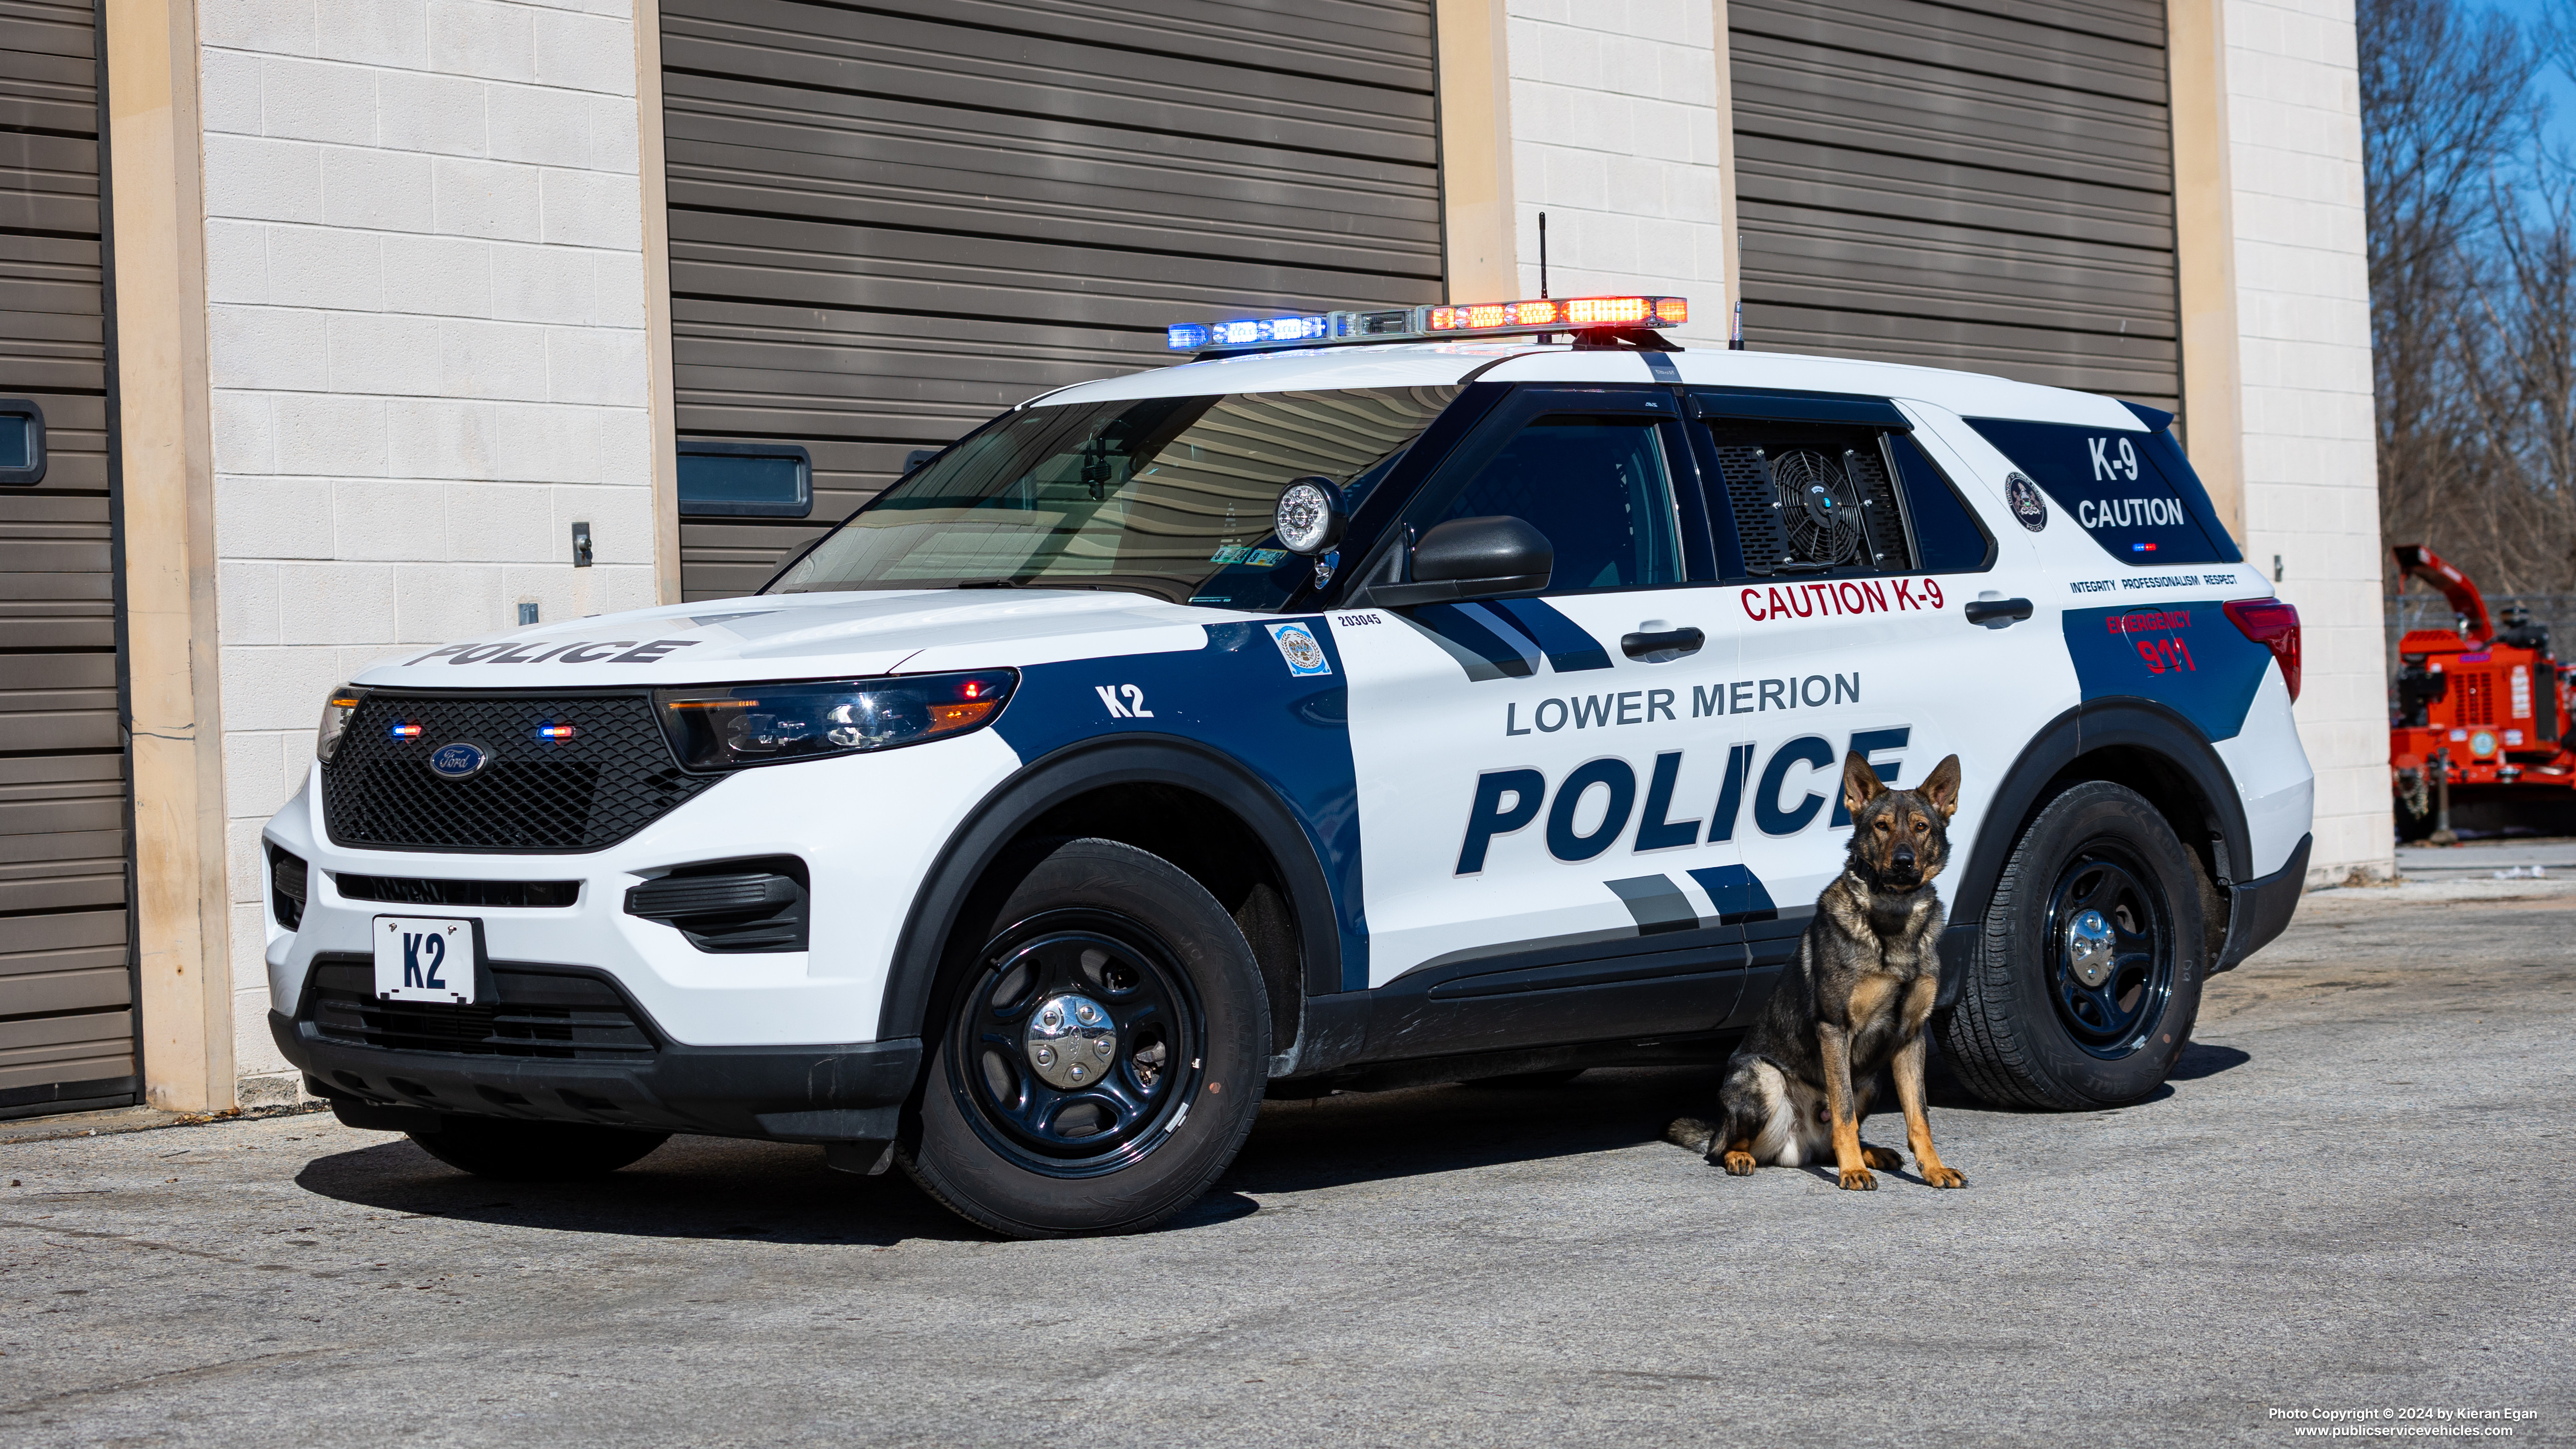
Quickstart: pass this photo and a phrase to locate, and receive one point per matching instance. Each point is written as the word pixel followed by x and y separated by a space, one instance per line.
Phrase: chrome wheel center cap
pixel 2089 948
pixel 1070 1041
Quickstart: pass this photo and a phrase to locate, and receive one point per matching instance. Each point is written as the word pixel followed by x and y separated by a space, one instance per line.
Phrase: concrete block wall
pixel 424 255
pixel 2303 323
pixel 1616 135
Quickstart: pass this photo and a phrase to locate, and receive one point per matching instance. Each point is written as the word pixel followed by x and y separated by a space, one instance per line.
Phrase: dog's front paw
pixel 1885 1159
pixel 1944 1177
pixel 1858 1179
pixel 1737 1164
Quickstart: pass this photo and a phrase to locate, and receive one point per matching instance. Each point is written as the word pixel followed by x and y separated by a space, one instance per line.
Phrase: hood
pixel 807 636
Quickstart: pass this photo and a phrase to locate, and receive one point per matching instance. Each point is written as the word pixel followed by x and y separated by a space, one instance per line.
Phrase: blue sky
pixel 2554 82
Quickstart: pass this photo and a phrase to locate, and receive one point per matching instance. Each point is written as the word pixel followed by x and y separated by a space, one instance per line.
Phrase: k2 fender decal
pixel 1290 730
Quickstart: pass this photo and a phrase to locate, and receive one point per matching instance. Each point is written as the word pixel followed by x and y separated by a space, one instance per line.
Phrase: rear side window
pixel 2134 493
pixel 1947 537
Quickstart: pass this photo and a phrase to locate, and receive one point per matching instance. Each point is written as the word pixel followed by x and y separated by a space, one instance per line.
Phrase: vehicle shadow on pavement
pixel 689 1187
pixel 1376 1136
pixel 2200 1059
pixel 724 1188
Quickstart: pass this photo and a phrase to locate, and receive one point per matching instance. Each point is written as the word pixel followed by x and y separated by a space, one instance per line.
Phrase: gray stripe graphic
pixel 1657 903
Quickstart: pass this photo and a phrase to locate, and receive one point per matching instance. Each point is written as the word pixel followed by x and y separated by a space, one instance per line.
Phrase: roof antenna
pixel 1542 256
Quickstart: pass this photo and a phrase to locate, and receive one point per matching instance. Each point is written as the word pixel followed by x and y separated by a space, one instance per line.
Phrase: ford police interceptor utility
pixel 1442 694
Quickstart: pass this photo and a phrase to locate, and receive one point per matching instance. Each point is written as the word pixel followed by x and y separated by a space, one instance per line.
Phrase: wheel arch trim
pixel 1082 769
pixel 2036 776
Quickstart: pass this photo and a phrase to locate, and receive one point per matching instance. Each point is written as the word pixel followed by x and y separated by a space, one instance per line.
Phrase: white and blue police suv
pixel 1384 698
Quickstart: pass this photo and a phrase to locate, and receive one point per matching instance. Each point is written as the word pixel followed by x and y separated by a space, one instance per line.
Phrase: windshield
pixel 1167 496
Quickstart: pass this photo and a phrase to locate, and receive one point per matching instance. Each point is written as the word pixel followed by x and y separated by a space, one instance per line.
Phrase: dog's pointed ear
pixel 1860 783
pixel 1941 787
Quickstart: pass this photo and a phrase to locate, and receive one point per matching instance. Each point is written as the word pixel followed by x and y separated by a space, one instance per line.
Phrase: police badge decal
pixel 2027 505
pixel 1297 646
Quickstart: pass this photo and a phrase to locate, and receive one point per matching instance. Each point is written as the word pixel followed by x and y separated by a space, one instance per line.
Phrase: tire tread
pixel 1981 1034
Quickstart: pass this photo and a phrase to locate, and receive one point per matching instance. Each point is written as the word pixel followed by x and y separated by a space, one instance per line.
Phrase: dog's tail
pixel 1692 1133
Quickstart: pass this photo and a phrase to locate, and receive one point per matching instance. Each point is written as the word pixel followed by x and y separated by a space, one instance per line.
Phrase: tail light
pixel 2275 626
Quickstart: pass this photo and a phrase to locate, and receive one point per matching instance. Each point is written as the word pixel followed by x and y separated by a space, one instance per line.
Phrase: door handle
pixel 1674 642
pixel 1997 613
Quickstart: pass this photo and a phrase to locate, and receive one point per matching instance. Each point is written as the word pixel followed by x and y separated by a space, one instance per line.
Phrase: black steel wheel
pixel 1080 1040
pixel 2110 950
pixel 2086 978
pixel 1104 1039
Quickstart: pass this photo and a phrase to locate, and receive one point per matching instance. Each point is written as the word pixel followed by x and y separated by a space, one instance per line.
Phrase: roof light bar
pixel 1440 320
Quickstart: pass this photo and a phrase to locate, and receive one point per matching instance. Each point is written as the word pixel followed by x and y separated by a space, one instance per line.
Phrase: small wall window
pixel 745 480
pixel 22 441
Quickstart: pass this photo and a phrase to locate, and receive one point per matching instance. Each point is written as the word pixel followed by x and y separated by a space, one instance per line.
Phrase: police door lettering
pixel 1785 802
pixel 1809 750
pixel 419 972
pixel 1645 706
pixel 1563 840
pixel 1133 708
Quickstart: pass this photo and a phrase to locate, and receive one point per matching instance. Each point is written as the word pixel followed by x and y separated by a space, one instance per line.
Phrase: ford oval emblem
pixel 456 761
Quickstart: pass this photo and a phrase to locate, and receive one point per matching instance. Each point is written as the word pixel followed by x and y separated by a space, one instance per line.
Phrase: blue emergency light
pixel 1540 315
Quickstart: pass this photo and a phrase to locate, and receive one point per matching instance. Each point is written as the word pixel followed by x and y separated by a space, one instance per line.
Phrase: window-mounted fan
pixel 1819 507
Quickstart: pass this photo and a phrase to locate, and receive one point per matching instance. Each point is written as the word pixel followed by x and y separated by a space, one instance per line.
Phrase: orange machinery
pixel 2476 741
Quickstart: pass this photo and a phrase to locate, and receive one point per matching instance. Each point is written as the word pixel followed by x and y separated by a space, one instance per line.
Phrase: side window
pixel 1599 487
pixel 1811 499
pixel 1947 537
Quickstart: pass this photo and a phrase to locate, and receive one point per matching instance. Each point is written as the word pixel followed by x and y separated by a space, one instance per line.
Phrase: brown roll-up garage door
pixel 888 224
pixel 66 986
pixel 1988 188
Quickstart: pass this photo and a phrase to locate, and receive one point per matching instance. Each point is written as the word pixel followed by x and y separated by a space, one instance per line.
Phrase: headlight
pixel 770 724
pixel 337 710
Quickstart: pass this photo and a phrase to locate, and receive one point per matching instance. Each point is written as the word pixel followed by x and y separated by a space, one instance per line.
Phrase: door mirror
pixel 1472 558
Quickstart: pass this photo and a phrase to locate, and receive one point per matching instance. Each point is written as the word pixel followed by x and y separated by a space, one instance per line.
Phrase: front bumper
pixel 867 827
pixel 851 1093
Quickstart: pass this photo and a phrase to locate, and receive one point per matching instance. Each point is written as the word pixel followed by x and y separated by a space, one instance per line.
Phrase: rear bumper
pixel 852 1093
pixel 2261 909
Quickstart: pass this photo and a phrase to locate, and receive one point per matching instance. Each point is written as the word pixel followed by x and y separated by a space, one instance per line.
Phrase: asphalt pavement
pixel 2352 1198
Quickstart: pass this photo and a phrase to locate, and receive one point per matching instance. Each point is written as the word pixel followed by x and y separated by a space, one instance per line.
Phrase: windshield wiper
pixel 988 583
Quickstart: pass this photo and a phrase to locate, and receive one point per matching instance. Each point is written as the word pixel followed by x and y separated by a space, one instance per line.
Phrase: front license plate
pixel 422 958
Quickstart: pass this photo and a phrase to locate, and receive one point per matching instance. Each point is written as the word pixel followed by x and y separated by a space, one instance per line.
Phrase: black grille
pixel 421 891
pixel 611 779
pixel 535 1012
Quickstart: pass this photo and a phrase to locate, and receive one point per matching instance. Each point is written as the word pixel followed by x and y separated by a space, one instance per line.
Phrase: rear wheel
pixel 2087 974
pixel 1102 1055
pixel 534 1151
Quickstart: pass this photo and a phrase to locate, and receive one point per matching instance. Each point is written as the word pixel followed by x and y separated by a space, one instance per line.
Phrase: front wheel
pixel 2087 973
pixel 1102 1055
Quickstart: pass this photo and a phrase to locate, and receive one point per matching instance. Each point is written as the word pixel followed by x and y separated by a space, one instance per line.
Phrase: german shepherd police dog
pixel 1864 982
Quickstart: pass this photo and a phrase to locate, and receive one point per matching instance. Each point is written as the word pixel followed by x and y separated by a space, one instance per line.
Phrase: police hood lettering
pixel 805 636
